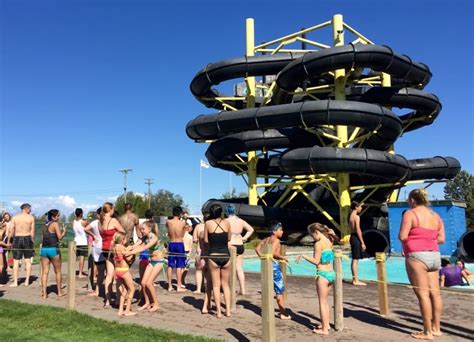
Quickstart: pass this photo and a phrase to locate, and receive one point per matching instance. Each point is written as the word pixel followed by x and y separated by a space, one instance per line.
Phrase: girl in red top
pixel 420 233
pixel 108 226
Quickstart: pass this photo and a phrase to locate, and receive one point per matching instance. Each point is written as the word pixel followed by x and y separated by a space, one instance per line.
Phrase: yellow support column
pixel 251 155
pixel 340 94
pixel 387 82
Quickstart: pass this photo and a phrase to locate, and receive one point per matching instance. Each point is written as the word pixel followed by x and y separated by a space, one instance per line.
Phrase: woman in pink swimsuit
pixel 421 232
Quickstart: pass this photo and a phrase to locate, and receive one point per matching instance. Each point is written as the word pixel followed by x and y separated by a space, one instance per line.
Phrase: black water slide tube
pixel 280 126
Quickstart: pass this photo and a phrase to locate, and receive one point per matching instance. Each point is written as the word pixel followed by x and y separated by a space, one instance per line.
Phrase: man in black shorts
pixel 23 232
pixel 357 242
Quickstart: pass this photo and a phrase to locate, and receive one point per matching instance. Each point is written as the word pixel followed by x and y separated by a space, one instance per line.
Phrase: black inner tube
pixel 467 245
pixel 375 241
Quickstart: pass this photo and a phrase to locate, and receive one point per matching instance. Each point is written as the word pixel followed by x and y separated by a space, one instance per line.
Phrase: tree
pixel 163 201
pixel 461 188
pixel 138 202
pixel 233 194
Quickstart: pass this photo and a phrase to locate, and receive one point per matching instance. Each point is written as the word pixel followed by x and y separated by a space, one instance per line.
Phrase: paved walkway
pixel 180 312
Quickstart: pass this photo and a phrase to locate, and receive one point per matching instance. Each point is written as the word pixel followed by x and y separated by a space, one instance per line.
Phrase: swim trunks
pixel 176 255
pixel 356 247
pixel 278 284
pixel 22 247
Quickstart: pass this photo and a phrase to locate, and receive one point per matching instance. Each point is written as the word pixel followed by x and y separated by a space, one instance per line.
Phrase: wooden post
pixel 338 297
pixel 283 271
pixel 233 278
pixel 268 311
pixel 382 284
pixel 71 276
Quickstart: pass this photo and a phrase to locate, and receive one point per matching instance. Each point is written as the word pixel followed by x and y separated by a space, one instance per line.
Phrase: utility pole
pixel 149 182
pixel 125 172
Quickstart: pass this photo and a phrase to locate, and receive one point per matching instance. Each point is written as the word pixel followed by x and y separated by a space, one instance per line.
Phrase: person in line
pixel 200 263
pixel 217 235
pixel 108 226
pixel 188 247
pixel 323 257
pixel 50 254
pixel 357 242
pixel 176 252
pixel 450 275
pixel 97 256
pixel 421 231
pixel 4 229
pixel 22 231
pixel 144 255
pixel 125 286
pixel 276 229
pixel 129 222
pixel 79 227
pixel 237 227
pixel 467 274
pixel 149 241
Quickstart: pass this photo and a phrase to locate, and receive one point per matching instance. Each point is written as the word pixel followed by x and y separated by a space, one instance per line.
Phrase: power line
pixel 87 192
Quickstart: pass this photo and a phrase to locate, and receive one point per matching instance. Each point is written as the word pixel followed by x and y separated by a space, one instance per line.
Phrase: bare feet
pixel 285 317
pixel 13 285
pixel 93 294
pixel 154 308
pixel 320 327
pixel 422 336
pixel 44 295
pixel 120 313
pixel 204 311
pixel 219 315
pixel 321 332
pixel 26 284
pixel 61 294
pixel 170 289
pixel 358 283
pixel 130 313
pixel 181 290
pixel 106 305
pixel 437 333
pixel 196 292
pixel 144 307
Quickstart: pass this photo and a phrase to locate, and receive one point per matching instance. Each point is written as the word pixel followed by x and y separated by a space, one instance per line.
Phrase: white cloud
pixel 40 205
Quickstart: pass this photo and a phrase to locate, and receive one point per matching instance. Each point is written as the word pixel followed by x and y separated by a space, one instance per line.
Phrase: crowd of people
pixel 112 244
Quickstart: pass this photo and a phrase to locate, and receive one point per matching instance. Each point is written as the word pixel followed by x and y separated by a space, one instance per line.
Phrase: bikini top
pixel 218 242
pixel 327 255
pixel 422 239
pixel 146 240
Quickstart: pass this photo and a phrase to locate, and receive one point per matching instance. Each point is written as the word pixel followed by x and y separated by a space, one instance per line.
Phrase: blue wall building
pixel 451 212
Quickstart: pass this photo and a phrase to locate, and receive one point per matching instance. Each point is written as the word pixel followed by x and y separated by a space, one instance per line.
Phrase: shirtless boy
pixel 129 222
pixel 278 284
pixel 177 256
pixel 22 230
pixel 357 242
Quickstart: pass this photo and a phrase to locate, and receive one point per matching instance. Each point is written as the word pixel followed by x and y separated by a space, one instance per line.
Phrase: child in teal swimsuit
pixel 150 242
pixel 323 256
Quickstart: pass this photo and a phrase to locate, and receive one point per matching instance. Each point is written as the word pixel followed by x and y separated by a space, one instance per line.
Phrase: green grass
pixel 26 322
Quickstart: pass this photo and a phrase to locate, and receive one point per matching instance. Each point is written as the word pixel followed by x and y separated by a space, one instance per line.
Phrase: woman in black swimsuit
pixel 217 235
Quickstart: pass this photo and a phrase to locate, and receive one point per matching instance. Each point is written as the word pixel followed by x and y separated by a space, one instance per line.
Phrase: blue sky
pixel 91 87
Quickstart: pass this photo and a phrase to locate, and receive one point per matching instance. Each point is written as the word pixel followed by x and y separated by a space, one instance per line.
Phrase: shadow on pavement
pixel 238 335
pixel 448 328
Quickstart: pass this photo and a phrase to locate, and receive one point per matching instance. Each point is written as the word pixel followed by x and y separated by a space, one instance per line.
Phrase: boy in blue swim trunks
pixel 176 251
pixel 277 232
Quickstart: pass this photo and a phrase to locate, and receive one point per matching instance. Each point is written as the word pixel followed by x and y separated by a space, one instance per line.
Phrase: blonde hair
pixel 419 196
pixel 106 208
pixel 323 229
pixel 118 237
pixel 152 225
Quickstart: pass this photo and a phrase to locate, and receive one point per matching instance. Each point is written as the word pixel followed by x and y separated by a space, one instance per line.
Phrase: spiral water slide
pixel 287 127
